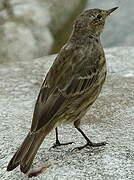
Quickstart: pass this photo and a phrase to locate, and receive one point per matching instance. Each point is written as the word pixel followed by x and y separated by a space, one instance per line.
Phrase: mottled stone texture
pixel 110 118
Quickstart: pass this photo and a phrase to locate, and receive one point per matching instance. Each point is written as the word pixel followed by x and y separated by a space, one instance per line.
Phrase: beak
pixel 108 12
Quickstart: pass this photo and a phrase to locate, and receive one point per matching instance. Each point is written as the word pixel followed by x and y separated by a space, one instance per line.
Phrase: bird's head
pixel 92 21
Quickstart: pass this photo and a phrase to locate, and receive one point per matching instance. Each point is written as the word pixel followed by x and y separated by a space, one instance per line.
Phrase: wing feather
pixel 81 82
pixel 55 92
pixel 48 110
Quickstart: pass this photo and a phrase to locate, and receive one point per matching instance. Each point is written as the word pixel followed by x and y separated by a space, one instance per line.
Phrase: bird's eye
pixel 99 17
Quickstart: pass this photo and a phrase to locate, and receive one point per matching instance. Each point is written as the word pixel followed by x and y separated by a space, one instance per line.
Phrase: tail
pixel 26 153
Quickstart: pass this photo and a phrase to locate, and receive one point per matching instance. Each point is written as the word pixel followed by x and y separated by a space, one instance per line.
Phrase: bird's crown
pixel 92 21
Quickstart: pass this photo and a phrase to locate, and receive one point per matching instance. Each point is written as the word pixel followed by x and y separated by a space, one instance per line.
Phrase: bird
pixel 71 86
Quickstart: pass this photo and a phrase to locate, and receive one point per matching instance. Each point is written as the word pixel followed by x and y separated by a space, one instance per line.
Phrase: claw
pixel 55 145
pixel 89 144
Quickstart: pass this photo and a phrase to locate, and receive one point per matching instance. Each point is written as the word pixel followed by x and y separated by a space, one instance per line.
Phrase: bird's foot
pixel 89 144
pixel 55 145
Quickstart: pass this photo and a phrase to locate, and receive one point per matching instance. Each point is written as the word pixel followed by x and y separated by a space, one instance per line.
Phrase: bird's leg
pixel 89 143
pixel 57 143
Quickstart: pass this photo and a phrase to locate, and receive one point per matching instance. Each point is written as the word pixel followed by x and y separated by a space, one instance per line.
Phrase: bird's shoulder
pixel 73 60
pixel 64 65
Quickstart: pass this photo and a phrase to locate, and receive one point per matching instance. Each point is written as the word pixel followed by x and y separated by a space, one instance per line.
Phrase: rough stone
pixel 18 45
pixel 42 23
pixel 110 118
pixel 120 22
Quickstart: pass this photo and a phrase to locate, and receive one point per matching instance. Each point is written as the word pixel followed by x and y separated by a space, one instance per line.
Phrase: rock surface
pixel 110 118
pixel 119 27
pixel 28 29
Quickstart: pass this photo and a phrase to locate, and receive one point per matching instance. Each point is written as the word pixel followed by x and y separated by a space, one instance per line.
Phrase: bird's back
pixel 82 81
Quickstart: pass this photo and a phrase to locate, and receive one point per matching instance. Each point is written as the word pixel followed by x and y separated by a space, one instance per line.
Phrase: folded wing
pixel 54 93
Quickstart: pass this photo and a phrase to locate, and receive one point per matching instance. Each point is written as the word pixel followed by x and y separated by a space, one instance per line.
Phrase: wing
pixel 81 82
pixel 50 98
pixel 55 91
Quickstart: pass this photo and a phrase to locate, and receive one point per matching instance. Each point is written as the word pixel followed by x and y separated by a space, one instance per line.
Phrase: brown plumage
pixel 71 86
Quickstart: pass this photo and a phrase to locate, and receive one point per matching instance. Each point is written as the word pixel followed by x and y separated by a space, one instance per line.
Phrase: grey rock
pixel 33 26
pixel 18 45
pixel 120 25
pixel 37 18
pixel 110 118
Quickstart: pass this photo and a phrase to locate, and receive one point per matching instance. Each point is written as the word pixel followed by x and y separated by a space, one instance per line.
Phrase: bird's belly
pixel 75 108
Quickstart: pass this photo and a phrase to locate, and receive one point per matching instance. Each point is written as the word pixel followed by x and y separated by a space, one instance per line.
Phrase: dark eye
pixel 99 17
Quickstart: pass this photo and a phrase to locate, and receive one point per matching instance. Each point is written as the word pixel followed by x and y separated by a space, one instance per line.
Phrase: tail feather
pixel 13 164
pixel 29 156
pixel 26 153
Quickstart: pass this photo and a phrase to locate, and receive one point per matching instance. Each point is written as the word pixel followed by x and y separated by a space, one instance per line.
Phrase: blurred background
pixel 34 28
pixel 120 26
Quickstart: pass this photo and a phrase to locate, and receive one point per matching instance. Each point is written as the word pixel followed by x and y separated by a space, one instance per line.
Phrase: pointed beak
pixel 108 12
